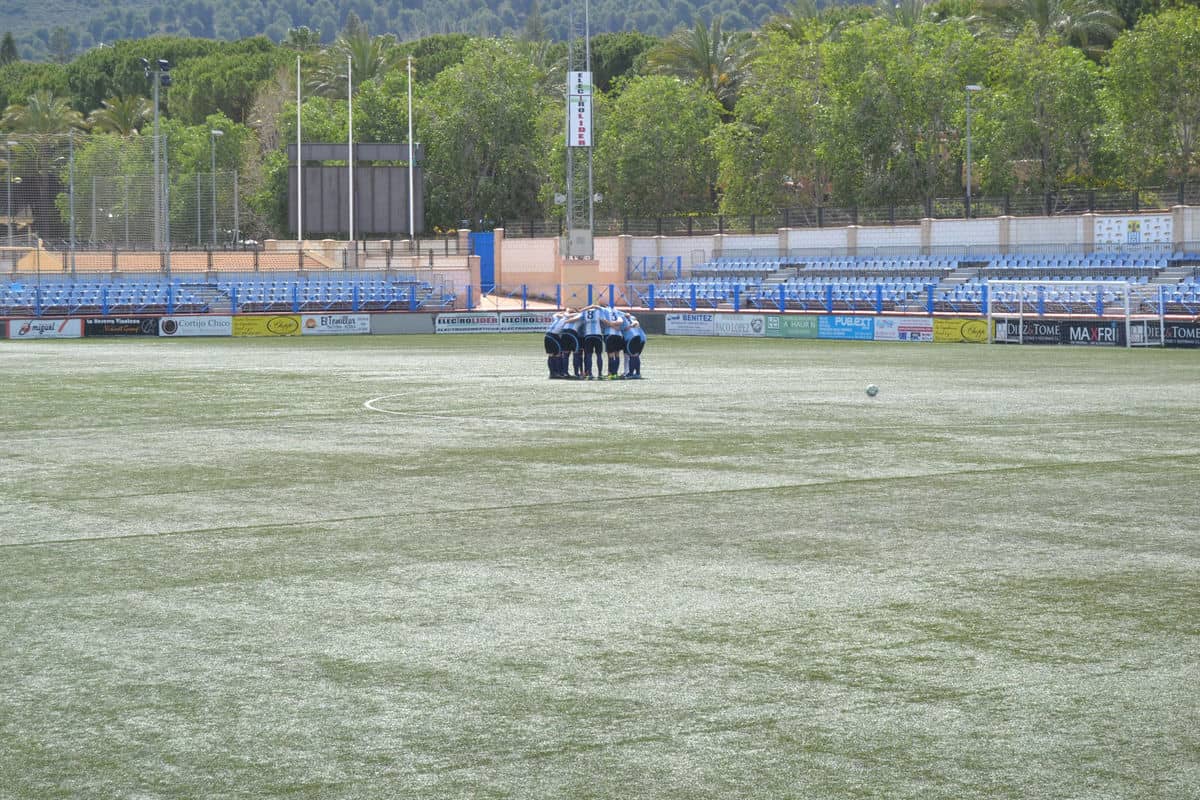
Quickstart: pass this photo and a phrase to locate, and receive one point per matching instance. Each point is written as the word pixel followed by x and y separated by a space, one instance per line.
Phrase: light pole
pixel 214 133
pixel 972 88
pixel 160 73
pixel 11 145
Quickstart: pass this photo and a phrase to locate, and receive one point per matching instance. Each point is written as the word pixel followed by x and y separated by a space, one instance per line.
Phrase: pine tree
pixel 8 49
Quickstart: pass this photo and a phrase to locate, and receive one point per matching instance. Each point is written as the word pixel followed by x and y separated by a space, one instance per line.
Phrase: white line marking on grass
pixel 370 406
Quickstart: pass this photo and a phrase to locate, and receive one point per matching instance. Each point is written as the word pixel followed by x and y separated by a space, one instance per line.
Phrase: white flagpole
pixel 350 143
pixel 412 231
pixel 299 165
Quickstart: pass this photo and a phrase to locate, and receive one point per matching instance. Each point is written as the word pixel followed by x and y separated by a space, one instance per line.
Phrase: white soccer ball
pixel 872 390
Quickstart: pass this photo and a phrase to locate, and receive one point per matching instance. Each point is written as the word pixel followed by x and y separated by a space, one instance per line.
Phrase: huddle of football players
pixel 575 338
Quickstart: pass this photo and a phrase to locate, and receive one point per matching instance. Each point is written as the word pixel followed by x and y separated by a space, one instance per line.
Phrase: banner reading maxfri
pixel 195 326
pixel 1095 333
pixel 1100 334
pixel 332 324
pixel 45 328
pixel 903 329
pixel 698 324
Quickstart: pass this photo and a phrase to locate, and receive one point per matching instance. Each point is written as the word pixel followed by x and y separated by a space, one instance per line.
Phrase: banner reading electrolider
pixel 493 322
pixel 579 109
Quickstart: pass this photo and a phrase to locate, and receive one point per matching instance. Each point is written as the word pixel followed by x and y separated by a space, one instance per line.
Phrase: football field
pixel 413 567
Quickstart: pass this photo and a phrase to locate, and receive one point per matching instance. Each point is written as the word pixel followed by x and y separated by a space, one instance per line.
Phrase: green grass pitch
pixel 412 567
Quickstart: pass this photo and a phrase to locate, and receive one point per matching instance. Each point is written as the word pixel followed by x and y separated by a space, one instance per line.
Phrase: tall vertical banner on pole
pixel 579 109
pixel 299 166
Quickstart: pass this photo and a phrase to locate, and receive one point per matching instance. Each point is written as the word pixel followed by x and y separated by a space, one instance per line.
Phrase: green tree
pixel 43 113
pixel 895 100
pixel 707 54
pixel 654 155
pixel 123 116
pixel 116 71
pixel 535 25
pixel 479 123
pixel 61 44
pixel 1036 121
pixel 1151 96
pixel 618 55
pixel 8 50
pixel 1090 24
pixel 368 57
pixel 20 79
pixel 770 155
pixel 302 38
pixel 226 80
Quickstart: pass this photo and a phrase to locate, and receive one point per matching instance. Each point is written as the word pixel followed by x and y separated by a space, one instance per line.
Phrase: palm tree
pixel 370 58
pixel 1090 24
pixel 709 55
pixel 123 116
pixel 43 114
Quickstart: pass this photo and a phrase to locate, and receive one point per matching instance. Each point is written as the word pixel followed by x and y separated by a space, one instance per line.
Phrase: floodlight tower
pixel 579 201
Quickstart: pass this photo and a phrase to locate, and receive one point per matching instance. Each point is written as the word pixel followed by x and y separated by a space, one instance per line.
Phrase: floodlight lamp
pixel 974 87
pixel 163 64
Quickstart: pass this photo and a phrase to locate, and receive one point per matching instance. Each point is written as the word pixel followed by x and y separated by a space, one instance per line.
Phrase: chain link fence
pixel 103 192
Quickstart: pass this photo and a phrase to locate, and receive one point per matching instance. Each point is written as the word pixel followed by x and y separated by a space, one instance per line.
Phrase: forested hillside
pixel 59 29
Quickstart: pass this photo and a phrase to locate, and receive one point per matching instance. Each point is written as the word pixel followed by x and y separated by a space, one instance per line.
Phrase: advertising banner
pixel 45 328
pixel 740 325
pixel 1177 334
pixel 333 324
pixel 525 321
pixel 960 330
pixel 691 324
pixel 1031 331
pixel 847 328
pixel 468 322
pixel 903 329
pixel 784 327
pixel 281 325
pixel 1098 334
pixel 579 109
pixel 195 326
pixel 121 326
